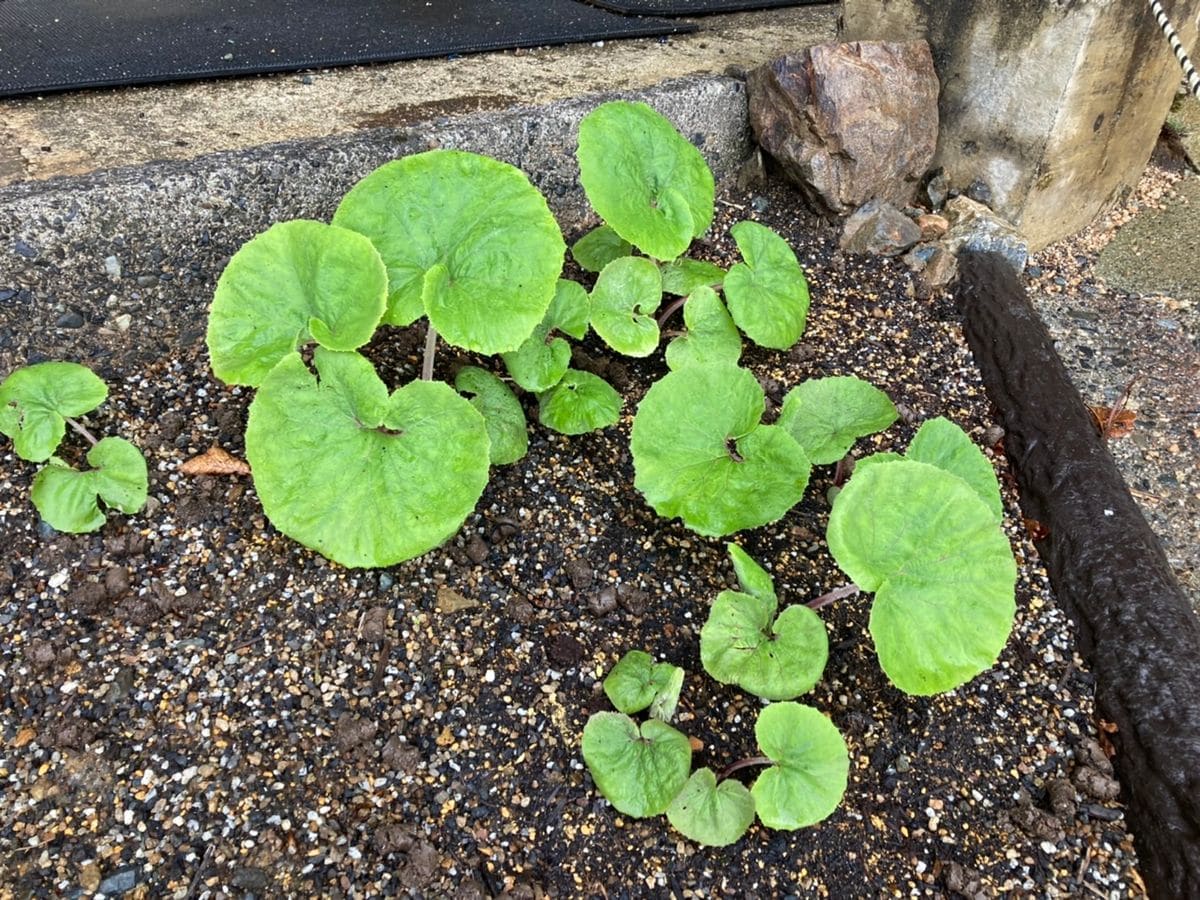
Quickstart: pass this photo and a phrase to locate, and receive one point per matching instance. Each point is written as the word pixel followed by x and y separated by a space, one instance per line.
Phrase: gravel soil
pixel 193 705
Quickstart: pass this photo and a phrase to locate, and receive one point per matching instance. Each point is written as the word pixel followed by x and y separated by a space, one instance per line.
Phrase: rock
pixel 1061 796
pixel 937 188
pixel 965 882
pixel 564 651
pixel 918 257
pixel 603 601
pixel 580 573
pixel 477 549
pixel 632 599
pixel 1096 784
pixel 879 228
pixel 979 191
pixel 975 227
pixel 120 881
pixel 941 268
pixel 849 122
pixel 112 267
pixel 69 319
pixel 932 226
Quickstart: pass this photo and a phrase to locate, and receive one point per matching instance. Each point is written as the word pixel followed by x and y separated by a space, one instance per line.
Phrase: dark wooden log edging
pixel 1136 626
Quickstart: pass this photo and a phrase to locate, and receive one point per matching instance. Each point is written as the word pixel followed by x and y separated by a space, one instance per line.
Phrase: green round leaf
pixel 570 309
pixel 752 577
pixel 743 643
pixel 35 401
pixel 941 443
pixel 711 336
pixel 811 767
pixel 712 814
pixel 501 411
pixel 682 276
pixel 638 770
pixel 364 478
pixel 767 294
pixel 579 403
pixel 644 179
pixel 68 499
pixel 297 281
pixel 626 294
pixel 599 247
pixel 940 566
pixel 827 415
pixel 467 240
pixel 540 362
pixel 701 453
pixel 637 682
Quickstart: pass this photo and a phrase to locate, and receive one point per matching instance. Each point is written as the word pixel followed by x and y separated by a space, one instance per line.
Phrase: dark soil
pixel 193 702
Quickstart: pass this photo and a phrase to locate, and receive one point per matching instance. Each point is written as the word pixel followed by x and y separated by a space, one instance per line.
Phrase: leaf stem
pixel 431 337
pixel 674 305
pixel 91 439
pixel 846 590
pixel 744 764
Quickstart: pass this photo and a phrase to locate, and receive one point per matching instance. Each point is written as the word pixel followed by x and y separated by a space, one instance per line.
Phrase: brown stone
pixel 879 228
pixel 932 226
pixel 849 122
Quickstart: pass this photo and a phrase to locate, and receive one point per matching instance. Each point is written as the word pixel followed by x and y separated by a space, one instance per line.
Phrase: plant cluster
pixel 37 403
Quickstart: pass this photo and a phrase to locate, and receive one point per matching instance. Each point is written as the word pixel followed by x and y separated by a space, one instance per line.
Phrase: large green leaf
pixel 579 403
pixel 940 566
pixel 827 415
pixel 361 476
pixel 467 240
pixel 36 400
pixel 644 179
pixel 68 499
pixel 777 658
pixel 639 770
pixel 811 767
pixel 700 452
pixel 767 294
pixel 941 443
pixel 297 281
pixel 599 247
pixel 711 336
pixel 624 299
pixel 682 276
pixel 501 411
pixel 638 682
pixel 712 814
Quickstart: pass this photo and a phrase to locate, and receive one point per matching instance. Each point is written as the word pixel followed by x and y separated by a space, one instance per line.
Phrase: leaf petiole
pixel 431 337
pixel 745 763
pixel 846 590
pixel 673 307
pixel 80 429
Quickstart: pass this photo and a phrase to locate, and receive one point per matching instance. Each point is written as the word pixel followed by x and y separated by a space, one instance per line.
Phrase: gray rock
pixel 69 319
pixel 112 267
pixel 937 189
pixel 975 227
pixel 849 122
pixel 979 191
pixel 879 228
pixel 120 882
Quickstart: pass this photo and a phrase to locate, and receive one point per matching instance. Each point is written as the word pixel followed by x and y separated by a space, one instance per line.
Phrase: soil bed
pixel 193 702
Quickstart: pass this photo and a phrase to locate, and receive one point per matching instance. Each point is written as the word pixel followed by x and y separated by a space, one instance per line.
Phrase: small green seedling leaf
pixel 542 360
pixel 767 294
pixel 752 577
pixel 776 658
pixel 827 415
pixel 361 476
pixel 701 452
pixel 624 299
pixel 639 770
pixel 36 400
pixel 682 276
pixel 712 814
pixel 297 281
pixel 941 569
pixel 68 499
pixel 467 240
pixel 579 403
pixel 638 682
pixel 941 443
pixel 599 247
pixel 711 336
pixel 811 767
pixel 646 181
pixel 570 309
pixel 501 411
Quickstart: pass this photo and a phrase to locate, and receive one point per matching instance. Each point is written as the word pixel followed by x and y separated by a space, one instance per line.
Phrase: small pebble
pixel 69 319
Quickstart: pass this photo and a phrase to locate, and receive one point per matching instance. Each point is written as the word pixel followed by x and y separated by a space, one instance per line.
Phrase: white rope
pixel 1189 71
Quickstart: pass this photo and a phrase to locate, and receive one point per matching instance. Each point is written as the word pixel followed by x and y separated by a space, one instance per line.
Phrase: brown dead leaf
pixel 1113 424
pixel 451 601
pixel 215 461
pixel 1037 531
pixel 1104 729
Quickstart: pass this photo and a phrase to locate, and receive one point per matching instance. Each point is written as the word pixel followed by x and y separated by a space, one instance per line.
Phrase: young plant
pixel 37 403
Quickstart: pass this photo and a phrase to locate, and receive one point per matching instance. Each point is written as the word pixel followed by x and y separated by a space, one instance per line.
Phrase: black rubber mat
pixel 53 45
pixel 695 7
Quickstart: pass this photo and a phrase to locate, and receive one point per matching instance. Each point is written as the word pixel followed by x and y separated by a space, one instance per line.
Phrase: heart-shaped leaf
pixel 36 400
pixel 941 443
pixel 467 240
pixel 752 577
pixel 811 767
pixel 638 770
pixel 712 814
pixel 599 247
pixel 827 415
pixel 767 294
pixel 638 682
pixel 361 476
pixel 682 276
pixel 297 281
pixel 700 452
pixel 579 403
pixel 940 566
pixel 68 499
pixel 624 299
pixel 542 360
pixel 570 309
pixel 501 411
pixel 649 184
pixel 711 336
pixel 777 658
